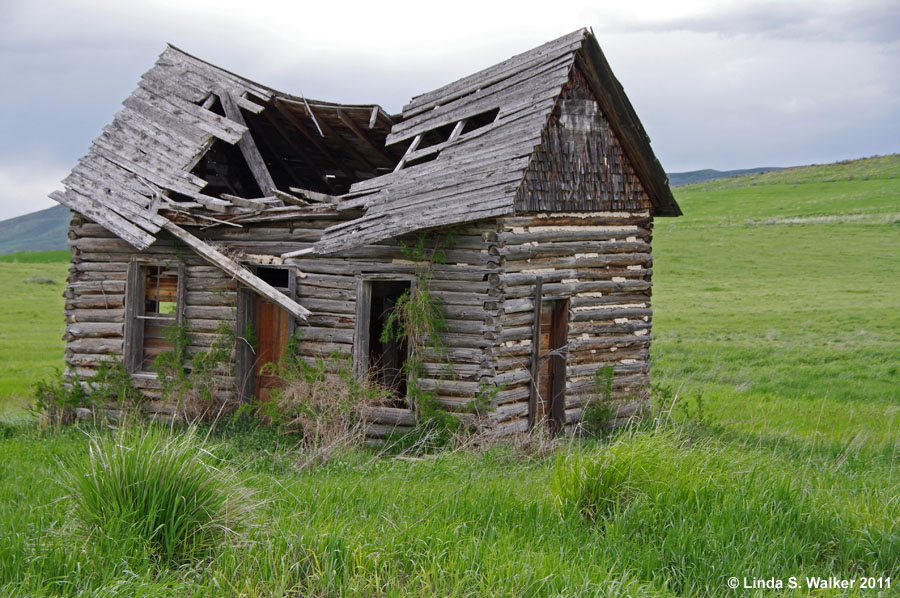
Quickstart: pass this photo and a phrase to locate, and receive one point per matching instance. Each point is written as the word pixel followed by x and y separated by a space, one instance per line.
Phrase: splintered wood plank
pixel 242 274
pixel 247 145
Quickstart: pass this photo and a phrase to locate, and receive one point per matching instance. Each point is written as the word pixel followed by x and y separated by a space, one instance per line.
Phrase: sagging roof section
pixel 198 140
pixel 470 173
pixel 195 144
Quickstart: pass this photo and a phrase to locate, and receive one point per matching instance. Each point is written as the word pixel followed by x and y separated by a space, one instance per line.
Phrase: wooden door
pixel 551 382
pixel 545 373
pixel 272 331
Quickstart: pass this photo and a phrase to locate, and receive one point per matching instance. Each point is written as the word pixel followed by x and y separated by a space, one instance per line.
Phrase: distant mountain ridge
pixel 48 229
pixel 38 231
pixel 676 179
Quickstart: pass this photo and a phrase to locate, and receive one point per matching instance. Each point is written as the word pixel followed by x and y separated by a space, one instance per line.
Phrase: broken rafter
pixel 287 198
pixel 314 195
pixel 345 118
pixel 273 150
pixel 247 145
pixel 409 151
pixel 296 148
pixel 216 258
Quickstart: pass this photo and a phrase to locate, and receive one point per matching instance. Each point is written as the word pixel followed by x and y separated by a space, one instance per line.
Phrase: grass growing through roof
pixel 775 303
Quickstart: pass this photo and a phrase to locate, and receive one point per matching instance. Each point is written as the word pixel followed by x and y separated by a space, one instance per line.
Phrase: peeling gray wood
pixel 248 145
pixel 242 274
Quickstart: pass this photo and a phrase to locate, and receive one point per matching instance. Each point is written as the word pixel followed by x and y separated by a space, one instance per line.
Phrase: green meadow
pixel 773 453
pixel 31 323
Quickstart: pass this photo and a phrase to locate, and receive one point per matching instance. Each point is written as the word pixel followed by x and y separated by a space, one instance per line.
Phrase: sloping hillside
pixel 38 231
pixel 677 179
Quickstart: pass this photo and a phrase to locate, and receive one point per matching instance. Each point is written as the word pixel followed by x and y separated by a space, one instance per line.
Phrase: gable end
pixel 580 165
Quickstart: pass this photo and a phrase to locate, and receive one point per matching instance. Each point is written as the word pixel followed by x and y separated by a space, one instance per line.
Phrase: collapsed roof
pixel 198 145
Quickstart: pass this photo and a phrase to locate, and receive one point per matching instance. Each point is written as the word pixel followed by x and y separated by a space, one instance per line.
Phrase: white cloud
pixel 24 187
pixel 717 84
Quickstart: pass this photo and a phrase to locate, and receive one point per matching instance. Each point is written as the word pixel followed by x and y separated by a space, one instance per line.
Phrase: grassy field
pixel 777 329
pixel 31 323
pixel 775 299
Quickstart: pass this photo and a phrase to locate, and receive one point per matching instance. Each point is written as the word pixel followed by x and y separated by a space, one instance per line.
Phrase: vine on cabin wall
pixel 194 383
pixel 419 317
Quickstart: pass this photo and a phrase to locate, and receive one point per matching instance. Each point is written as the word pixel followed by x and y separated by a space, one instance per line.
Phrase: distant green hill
pixel 38 231
pixel 676 179
pixel 46 229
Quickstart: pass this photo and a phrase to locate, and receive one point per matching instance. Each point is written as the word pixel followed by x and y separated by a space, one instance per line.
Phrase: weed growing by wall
pixel 418 317
pixel 194 383
pixel 57 398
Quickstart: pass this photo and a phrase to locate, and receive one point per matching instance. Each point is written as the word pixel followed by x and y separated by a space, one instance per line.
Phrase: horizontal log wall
pixel 466 285
pixel 602 263
pixel 95 301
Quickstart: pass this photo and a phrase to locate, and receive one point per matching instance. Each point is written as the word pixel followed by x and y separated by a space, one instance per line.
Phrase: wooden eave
pixel 627 126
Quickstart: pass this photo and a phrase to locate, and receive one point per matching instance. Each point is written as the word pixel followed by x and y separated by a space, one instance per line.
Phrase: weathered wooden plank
pixel 247 145
pixel 122 227
pixel 237 271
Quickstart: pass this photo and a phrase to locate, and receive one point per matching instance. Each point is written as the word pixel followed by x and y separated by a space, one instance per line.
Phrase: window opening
pixel 480 120
pixel 277 277
pixel 158 312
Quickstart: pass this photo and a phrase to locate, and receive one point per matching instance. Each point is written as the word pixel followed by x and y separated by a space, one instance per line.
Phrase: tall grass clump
pixel 694 512
pixel 157 493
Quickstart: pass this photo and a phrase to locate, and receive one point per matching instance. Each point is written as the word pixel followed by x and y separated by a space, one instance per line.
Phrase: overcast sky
pixel 716 84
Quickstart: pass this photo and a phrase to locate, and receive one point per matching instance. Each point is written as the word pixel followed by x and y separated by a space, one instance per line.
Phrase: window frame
pixel 135 300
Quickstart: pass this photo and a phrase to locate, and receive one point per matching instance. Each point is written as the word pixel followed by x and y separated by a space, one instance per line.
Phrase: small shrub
pixel 153 489
pixel 56 399
pixel 194 383
pixel 112 386
pixel 598 411
pixel 595 487
pixel 320 401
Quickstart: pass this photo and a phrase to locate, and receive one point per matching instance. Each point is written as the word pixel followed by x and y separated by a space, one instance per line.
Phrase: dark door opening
pixel 551 382
pixel 386 358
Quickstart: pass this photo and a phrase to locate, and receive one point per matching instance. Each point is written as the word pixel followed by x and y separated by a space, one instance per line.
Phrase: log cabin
pixel 212 199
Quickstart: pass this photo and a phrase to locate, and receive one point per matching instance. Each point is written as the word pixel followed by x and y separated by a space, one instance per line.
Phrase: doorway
pixel 383 361
pixel 550 403
pixel 266 328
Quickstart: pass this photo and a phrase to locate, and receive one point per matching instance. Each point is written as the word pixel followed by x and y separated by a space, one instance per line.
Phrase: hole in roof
pixel 421 160
pixel 436 136
pixel 480 120
pixel 224 169
pixel 215 107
